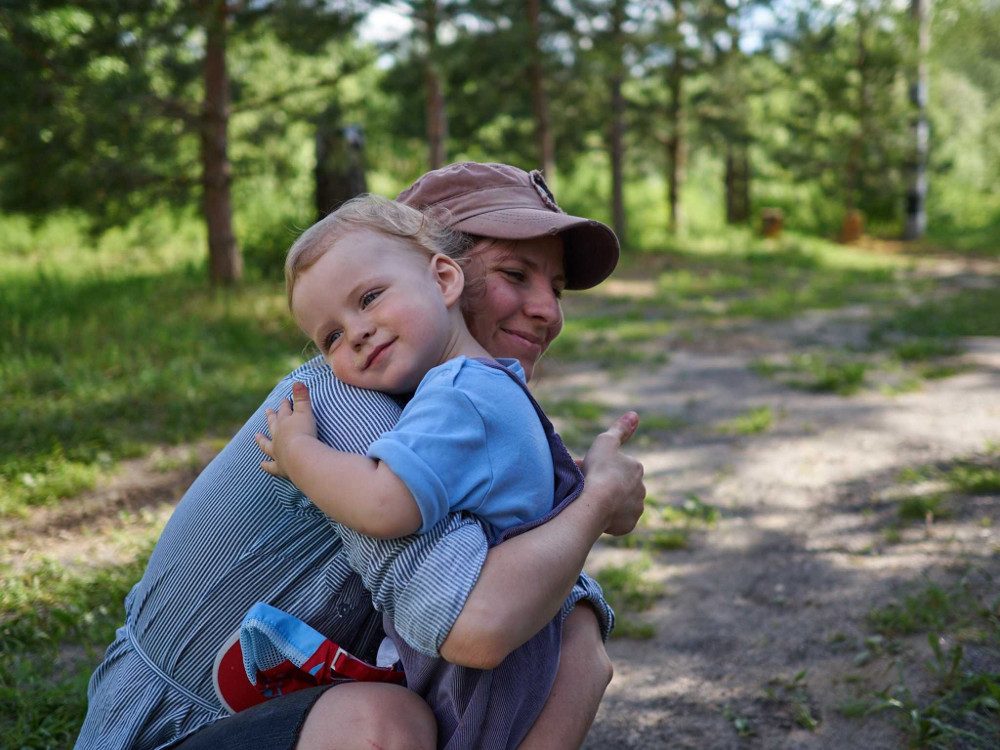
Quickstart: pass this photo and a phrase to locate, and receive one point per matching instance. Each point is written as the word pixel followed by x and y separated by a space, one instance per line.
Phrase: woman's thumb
pixel 624 427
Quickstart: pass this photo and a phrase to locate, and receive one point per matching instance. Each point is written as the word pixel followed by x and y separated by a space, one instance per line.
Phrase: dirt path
pixel 783 583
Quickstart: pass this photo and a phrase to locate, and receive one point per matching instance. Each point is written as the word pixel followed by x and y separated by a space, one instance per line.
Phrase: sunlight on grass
pixel 119 350
pixel 752 422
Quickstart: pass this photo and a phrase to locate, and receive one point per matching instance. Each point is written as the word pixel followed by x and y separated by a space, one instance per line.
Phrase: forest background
pixel 680 116
pixel 157 159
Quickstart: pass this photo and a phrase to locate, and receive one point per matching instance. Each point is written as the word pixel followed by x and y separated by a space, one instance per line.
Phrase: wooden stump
pixel 853 226
pixel 772 221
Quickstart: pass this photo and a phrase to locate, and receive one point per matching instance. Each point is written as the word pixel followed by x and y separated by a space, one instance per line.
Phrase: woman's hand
pixel 286 425
pixel 614 479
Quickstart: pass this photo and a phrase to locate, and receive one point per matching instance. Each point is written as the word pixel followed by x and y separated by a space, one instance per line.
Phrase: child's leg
pixel 584 673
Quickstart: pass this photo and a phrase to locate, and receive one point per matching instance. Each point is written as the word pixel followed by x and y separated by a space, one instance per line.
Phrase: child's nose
pixel 361 334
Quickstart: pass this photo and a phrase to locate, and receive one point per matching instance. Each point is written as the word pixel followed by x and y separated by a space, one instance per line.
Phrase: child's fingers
pixel 300 396
pixel 271 468
pixel 265 444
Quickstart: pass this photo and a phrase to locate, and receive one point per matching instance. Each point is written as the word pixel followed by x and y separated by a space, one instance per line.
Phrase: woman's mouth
pixel 527 341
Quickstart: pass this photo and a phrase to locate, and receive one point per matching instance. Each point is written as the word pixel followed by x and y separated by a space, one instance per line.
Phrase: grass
pixel 817 372
pixel 752 422
pixel 629 592
pixel 673 527
pixel 55 622
pixel 790 697
pixel 105 362
pixel 962 708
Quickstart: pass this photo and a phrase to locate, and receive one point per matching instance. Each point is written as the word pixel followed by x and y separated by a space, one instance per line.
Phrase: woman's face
pixel 511 302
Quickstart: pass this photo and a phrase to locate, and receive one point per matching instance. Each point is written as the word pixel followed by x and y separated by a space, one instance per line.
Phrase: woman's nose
pixel 543 304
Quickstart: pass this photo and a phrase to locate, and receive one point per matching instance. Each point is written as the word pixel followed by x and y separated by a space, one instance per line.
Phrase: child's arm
pixel 356 491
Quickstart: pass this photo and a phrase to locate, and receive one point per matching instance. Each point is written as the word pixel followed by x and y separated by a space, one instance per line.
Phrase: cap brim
pixel 591 248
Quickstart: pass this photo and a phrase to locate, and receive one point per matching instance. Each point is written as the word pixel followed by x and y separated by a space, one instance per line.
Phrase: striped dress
pixel 239 536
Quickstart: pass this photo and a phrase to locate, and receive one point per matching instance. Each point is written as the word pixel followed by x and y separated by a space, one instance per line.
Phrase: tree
pixel 916 196
pixel 122 103
pixel 837 124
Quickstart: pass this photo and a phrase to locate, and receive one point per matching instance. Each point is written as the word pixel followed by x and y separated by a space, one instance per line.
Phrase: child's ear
pixel 449 277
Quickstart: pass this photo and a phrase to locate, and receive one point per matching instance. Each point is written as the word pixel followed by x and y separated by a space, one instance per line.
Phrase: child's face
pixel 374 306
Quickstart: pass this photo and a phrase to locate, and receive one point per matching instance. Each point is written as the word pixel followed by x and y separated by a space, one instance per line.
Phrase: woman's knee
pixel 366 715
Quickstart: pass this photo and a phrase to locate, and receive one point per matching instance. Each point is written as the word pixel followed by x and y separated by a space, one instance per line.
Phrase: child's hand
pixel 289 424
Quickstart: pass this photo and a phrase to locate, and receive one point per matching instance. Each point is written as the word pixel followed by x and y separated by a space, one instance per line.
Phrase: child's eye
pixel 368 297
pixel 331 339
pixel 557 291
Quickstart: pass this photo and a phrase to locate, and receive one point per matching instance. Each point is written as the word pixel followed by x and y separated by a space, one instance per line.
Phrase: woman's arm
pixel 501 613
pixel 439 600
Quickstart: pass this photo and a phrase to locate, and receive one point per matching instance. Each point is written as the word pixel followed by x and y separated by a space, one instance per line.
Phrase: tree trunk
pixel 340 162
pixel 737 184
pixel 616 144
pixel 225 262
pixel 676 146
pixel 855 157
pixel 437 123
pixel 544 146
pixel 737 176
pixel 916 197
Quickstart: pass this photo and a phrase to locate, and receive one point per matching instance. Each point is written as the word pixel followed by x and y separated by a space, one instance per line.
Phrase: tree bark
pixel 855 157
pixel 737 184
pixel 616 145
pixel 225 262
pixel 676 146
pixel 916 197
pixel 544 145
pixel 437 122
pixel 737 176
pixel 340 162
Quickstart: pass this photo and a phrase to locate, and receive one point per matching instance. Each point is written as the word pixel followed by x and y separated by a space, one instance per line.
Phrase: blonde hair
pixel 380 215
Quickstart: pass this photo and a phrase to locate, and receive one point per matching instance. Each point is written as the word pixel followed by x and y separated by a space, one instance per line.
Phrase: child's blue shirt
pixel 470 440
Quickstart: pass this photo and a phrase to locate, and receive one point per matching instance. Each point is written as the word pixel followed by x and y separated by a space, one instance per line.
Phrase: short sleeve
pixel 439 450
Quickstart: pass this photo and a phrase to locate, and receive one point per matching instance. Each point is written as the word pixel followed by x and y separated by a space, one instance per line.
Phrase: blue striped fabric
pixel 239 536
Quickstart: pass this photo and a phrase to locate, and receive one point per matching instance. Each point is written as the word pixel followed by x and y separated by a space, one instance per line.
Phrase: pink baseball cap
pixel 506 203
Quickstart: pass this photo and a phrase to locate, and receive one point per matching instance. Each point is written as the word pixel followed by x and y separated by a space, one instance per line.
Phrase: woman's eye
pixel 368 297
pixel 515 274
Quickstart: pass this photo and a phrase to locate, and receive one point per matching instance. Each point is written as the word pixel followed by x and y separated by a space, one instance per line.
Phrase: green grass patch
pixel 752 422
pixel 693 511
pixel 970 312
pixel 974 479
pixel 772 280
pixel 102 361
pixel 927 609
pixel 820 373
pixel 629 591
pixel 923 349
pixel 791 698
pixel 661 422
pixel 55 623
pixel 921 507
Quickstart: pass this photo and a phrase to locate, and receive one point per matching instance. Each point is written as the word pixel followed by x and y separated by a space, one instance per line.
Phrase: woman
pixel 240 535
